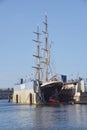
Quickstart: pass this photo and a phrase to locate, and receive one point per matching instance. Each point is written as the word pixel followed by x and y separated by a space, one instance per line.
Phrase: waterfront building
pixel 24 93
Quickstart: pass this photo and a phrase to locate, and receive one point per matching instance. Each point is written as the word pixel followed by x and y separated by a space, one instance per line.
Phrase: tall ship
pixel 52 90
pixel 44 88
pixel 47 89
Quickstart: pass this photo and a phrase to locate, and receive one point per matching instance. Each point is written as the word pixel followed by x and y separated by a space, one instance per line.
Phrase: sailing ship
pixel 47 90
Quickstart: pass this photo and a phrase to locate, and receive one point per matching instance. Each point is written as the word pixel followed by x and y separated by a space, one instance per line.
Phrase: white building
pixel 24 93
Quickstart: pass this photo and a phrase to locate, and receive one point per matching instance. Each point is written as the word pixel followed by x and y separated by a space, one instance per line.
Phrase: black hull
pixel 66 95
pixel 49 93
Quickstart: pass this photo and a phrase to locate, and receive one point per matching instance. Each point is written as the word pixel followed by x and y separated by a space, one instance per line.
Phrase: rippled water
pixel 25 117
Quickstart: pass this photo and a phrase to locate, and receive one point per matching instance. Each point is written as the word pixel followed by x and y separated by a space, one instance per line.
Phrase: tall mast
pixel 37 56
pixel 46 47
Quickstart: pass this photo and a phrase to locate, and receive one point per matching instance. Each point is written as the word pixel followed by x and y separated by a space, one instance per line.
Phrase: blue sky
pixel 67 25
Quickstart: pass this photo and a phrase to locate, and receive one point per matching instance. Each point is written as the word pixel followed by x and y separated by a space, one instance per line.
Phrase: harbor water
pixel 31 117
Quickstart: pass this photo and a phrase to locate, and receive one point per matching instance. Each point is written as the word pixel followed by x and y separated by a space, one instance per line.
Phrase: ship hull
pixel 66 95
pixel 50 91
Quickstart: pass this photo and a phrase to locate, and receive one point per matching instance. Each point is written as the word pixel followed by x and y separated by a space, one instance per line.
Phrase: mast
pixel 46 62
pixel 37 56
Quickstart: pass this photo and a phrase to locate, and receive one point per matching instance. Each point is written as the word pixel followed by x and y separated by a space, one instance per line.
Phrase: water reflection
pixel 63 116
pixel 27 117
pixel 80 114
